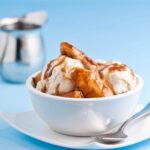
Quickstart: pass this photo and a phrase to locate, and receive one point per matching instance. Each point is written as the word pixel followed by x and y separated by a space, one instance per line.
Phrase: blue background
pixel 105 29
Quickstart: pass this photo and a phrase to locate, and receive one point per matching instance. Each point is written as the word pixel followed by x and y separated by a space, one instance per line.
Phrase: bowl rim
pixel 32 89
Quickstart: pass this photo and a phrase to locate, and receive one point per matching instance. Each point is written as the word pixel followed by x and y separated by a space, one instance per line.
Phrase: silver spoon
pixel 119 135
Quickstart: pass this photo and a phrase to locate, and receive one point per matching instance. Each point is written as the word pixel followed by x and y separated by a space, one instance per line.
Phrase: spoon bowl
pixel 119 135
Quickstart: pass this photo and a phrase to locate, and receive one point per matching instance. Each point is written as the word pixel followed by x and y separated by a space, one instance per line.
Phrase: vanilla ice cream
pixel 74 74
pixel 119 76
pixel 56 76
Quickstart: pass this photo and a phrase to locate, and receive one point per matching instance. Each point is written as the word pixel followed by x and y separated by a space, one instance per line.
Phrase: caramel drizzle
pixel 104 67
pixel 59 63
pixel 113 67
pixel 37 78
pixel 118 67
pixel 49 73
pixel 44 89
pixel 121 67
pixel 48 67
pixel 57 92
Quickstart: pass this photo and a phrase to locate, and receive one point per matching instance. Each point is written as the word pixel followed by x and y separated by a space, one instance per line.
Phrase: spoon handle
pixel 146 109
pixel 143 113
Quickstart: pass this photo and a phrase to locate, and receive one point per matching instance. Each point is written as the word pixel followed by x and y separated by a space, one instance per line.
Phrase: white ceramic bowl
pixel 86 116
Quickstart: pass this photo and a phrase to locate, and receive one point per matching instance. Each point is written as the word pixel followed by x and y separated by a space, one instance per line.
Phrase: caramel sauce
pixel 104 67
pixel 117 67
pixel 48 67
pixel 57 89
pixel 89 60
pixel 63 70
pixel 59 63
pixel 107 91
pixel 44 89
pixel 107 88
pixel 101 75
pixel 47 73
pixel 37 78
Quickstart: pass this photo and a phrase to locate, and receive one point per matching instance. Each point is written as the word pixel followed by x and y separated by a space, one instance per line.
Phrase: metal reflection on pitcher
pixel 22 51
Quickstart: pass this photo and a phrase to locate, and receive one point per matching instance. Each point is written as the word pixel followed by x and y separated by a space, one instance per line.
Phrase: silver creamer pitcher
pixel 21 46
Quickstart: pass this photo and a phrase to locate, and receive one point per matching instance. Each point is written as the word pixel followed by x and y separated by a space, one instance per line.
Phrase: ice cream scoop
pixel 119 76
pixel 56 76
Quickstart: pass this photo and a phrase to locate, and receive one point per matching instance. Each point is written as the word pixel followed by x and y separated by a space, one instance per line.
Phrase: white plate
pixel 30 124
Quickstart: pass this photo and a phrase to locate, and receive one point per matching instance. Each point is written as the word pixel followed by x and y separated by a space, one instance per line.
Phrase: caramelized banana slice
pixel 73 94
pixel 86 82
pixel 37 78
pixel 71 51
